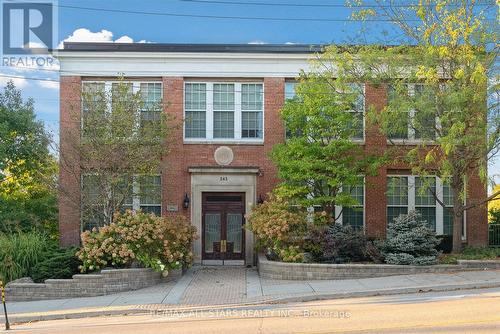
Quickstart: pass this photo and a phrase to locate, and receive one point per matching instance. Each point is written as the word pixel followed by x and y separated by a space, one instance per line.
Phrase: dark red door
pixel 223 218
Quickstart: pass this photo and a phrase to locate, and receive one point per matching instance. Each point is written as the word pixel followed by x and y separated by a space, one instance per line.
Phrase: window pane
pixel 357 125
pixel 150 190
pixel 397 190
pixel 290 90
pixel 251 109
pixel 401 124
pixel 429 215
pixel 447 195
pixel 424 190
pixel 353 217
pixel 394 212
pixel 195 110
pixel 195 96
pixel 251 97
pixel 195 124
pixel 447 222
pixel 151 95
pixel 93 95
pixel 223 110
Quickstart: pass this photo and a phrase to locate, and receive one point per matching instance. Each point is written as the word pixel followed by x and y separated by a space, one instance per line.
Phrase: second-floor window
pixel 223 111
pixel 420 120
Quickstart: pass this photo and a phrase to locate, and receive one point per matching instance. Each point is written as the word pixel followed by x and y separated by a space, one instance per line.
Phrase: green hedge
pixel 61 263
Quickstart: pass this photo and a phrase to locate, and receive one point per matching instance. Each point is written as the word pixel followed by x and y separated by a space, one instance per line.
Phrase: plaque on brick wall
pixel 223 156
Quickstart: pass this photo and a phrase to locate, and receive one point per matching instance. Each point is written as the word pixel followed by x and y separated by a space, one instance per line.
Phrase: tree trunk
pixel 458 214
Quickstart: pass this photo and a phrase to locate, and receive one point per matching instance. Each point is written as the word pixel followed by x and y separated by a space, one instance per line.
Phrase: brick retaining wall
pixel 88 285
pixel 323 271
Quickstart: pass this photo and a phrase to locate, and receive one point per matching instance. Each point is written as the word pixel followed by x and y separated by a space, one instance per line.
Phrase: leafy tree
pixel 123 139
pixel 321 162
pixel 448 64
pixel 27 169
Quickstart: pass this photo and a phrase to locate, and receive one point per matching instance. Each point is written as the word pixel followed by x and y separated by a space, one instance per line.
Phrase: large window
pixel 96 92
pixel 357 110
pixel 223 111
pixel 405 193
pixel 416 125
pixel 132 192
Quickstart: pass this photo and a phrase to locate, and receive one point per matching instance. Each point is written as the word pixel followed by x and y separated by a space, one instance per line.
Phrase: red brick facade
pixel 176 178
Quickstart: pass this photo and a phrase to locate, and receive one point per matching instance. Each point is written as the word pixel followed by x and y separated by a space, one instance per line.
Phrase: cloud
pixel 257 41
pixel 18 82
pixel 48 84
pixel 85 35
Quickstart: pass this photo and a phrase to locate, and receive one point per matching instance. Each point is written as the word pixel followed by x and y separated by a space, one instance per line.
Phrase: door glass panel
pixel 234 232
pixel 212 231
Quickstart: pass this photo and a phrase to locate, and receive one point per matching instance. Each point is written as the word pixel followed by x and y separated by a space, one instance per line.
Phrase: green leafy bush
pixel 58 263
pixel 160 243
pixel 280 231
pixel 410 241
pixel 340 244
pixel 472 253
pixel 20 252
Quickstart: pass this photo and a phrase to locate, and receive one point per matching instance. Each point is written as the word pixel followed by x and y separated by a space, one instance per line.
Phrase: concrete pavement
pixel 209 286
pixel 470 311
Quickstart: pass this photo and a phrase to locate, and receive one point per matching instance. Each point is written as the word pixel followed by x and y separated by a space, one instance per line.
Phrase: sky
pixel 195 21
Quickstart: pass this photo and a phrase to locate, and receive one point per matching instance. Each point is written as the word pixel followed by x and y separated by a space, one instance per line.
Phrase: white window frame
pixel 108 90
pixel 411 140
pixel 355 140
pixel 439 194
pixel 209 114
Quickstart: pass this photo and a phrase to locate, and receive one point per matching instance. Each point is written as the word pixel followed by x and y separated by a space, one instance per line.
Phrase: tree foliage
pixel 321 161
pixel 123 137
pixel 444 91
pixel 27 169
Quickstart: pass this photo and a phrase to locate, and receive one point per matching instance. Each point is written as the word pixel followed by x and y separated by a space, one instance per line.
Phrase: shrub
pixel 337 244
pixel 20 252
pixel 59 263
pixel 160 243
pixel 410 241
pixel 279 230
pixel 494 216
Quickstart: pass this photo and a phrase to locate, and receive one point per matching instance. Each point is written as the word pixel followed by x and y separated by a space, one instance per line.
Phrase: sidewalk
pixel 223 286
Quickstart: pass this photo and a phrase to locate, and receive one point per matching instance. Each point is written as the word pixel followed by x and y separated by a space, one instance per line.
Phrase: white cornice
pixel 182 64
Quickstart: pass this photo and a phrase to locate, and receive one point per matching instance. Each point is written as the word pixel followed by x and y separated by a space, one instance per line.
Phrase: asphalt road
pixel 474 311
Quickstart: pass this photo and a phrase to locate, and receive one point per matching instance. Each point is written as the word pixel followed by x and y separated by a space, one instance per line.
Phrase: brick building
pixel 218 167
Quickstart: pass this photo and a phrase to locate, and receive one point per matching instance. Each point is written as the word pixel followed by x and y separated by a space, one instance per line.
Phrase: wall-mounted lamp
pixel 185 203
pixel 260 200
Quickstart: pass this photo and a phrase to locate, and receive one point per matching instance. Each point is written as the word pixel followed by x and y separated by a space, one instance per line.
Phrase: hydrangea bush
pixel 410 241
pixel 279 230
pixel 161 243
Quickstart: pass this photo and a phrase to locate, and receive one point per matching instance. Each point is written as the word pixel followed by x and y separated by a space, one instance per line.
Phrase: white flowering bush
pixel 410 241
pixel 161 243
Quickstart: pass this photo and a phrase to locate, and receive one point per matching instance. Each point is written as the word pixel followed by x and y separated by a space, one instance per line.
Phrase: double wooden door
pixel 223 219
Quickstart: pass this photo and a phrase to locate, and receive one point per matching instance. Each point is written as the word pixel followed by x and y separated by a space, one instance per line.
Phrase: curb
pixel 150 308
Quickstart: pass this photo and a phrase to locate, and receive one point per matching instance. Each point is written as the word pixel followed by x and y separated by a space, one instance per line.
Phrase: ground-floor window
pixel 405 193
pixel 132 192
pixel 354 216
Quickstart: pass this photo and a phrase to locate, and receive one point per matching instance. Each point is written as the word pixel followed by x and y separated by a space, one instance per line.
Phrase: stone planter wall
pixel 88 285
pixel 322 271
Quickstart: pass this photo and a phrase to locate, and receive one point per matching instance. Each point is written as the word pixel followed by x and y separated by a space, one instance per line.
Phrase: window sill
pixel 410 142
pixel 223 142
